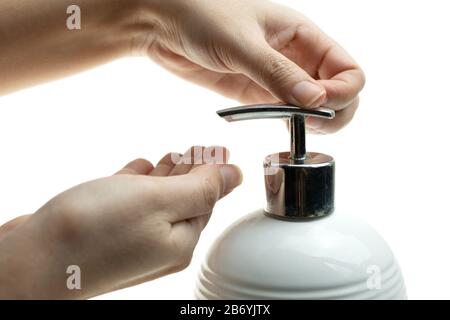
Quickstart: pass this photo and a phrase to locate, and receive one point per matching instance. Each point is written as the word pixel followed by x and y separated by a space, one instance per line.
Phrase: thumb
pixel 283 78
pixel 198 191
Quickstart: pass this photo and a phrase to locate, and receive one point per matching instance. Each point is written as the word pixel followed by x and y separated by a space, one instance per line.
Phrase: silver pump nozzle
pixel 299 184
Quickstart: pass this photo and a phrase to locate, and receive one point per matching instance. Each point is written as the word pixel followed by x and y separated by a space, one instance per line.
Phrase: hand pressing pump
pixel 298 247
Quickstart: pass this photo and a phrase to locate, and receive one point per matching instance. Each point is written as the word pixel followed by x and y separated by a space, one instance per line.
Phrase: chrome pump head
pixel 299 184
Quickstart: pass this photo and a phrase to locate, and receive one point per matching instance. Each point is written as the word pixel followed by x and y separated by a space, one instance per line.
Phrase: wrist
pixel 19 263
pixel 140 22
pixel 33 264
pixel 116 25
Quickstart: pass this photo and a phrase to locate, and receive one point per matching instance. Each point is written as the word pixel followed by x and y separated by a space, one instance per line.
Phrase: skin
pixel 145 221
pixel 137 225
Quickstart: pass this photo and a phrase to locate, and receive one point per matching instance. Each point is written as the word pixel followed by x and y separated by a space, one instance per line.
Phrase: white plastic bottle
pixel 298 247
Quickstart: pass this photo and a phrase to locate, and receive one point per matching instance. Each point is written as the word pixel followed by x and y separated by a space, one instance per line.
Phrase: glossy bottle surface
pixel 335 257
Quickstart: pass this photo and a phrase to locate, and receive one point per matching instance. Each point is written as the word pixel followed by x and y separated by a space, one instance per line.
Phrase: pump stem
pixel 297 131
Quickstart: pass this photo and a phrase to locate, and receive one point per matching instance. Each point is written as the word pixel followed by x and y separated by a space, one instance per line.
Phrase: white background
pixel 391 160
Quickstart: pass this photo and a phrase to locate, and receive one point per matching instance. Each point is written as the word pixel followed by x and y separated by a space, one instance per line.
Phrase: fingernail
pixel 231 178
pixel 314 123
pixel 308 93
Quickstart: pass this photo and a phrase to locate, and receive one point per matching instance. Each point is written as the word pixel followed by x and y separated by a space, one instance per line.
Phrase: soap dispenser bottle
pixel 298 247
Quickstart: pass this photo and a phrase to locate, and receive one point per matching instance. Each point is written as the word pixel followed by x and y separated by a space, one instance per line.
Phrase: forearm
pixel 36 45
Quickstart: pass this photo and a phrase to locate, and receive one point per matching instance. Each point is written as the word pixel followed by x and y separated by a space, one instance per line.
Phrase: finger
pixel 240 87
pixel 199 155
pixel 235 86
pixel 232 85
pixel 138 166
pixel 283 78
pixel 214 155
pixel 341 77
pixel 192 156
pixel 196 193
pixel 321 57
pixel 342 118
pixel 166 164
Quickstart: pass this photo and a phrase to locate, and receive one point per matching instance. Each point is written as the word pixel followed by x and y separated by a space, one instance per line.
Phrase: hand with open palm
pixel 139 224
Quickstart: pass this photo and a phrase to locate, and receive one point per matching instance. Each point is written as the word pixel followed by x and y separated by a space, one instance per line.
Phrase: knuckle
pixel 353 108
pixel 362 77
pixel 356 84
pixel 276 70
pixel 346 94
pixel 345 116
pixel 356 103
pixel 208 195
